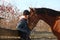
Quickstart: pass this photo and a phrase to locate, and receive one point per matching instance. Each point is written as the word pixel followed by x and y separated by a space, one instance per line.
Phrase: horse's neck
pixel 49 20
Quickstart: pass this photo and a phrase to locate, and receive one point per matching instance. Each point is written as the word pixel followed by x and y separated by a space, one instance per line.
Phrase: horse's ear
pixel 31 9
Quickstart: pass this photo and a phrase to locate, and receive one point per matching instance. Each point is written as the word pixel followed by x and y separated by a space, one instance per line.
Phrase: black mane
pixel 47 11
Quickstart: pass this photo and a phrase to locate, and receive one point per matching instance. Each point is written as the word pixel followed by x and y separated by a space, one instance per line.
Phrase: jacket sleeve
pixel 20 24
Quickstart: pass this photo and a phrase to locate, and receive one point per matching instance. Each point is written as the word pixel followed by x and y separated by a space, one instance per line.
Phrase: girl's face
pixel 27 16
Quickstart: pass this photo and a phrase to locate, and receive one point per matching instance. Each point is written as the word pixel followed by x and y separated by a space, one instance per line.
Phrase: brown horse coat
pixel 57 25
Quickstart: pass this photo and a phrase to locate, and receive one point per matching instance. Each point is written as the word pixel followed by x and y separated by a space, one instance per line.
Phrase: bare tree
pixel 10 15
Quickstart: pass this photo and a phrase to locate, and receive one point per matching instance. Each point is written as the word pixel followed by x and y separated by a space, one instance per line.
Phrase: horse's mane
pixel 47 11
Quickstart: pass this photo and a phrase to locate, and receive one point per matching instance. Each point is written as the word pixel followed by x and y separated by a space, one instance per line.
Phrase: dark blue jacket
pixel 23 26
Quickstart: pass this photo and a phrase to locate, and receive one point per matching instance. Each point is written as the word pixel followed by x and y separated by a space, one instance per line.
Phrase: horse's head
pixel 33 19
pixel 32 12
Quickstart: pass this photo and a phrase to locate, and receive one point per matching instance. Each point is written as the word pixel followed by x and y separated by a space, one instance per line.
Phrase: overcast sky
pixel 25 4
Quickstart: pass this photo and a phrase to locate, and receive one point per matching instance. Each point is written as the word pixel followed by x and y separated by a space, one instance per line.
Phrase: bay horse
pixel 50 16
